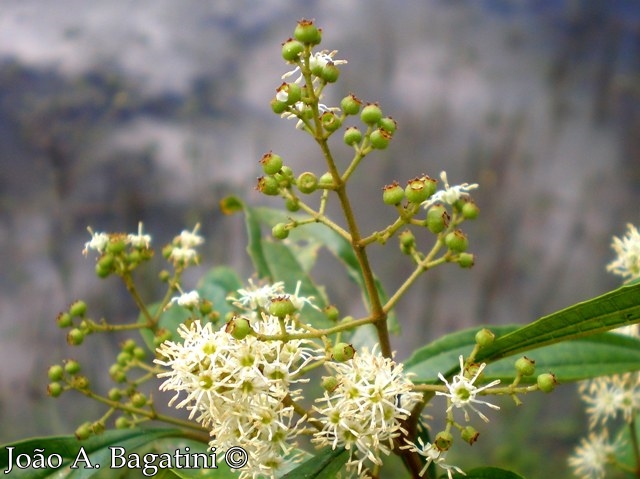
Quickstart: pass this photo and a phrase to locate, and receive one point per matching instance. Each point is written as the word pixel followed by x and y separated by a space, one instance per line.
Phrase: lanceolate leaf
pixel 325 465
pixel 611 310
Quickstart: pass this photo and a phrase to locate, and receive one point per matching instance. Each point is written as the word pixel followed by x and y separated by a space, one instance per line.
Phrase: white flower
pixel 300 107
pixel 627 248
pixel 364 412
pixel 184 244
pixel 592 455
pixel 189 239
pixel 318 59
pixel 462 392
pixel 140 240
pixel 97 243
pixel 450 194
pixel 607 396
pixel 432 455
pixel 255 297
pixel 190 299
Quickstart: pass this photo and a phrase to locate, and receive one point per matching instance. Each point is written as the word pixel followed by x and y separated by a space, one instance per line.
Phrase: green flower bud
pixel 456 241
pixel 117 374
pixel 332 312
pixel 128 345
pixel 470 210
pixel 330 121
pixel 380 138
pixel 72 367
pixel 54 389
pixel 64 320
pixel 342 352
pixel 350 105
pixel 106 263
pixel 115 394
pixel 525 366
pixel 277 106
pixel 389 124
pixel 281 306
pixel 83 431
pixel 123 358
pixel 326 181
pixel 75 337
pixel 469 434
pixel 466 260
pixel 116 245
pixel 443 440
pixel 485 337
pixel 271 163
pixel 292 204
pixel 392 194
pixel 371 114
pixel 352 136
pixel 138 400
pixel 307 32
pixel 407 241
pixel 291 50
pixel 164 276
pixel 139 353
pixel 285 176
pixel 437 219
pixel 97 427
pixel 238 327
pixel 547 382
pixel 268 185
pixel 307 182
pixel 280 231
pixel 290 93
pixel 80 382
pixel 417 190
pixel 78 308
pixel 330 383
pixel 330 72
pixel 56 372
pixel 122 423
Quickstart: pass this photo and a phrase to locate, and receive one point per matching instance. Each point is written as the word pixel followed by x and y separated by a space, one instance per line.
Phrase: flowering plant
pixel 272 374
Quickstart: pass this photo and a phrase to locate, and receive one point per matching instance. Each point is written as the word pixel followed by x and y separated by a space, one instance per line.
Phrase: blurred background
pixel 117 112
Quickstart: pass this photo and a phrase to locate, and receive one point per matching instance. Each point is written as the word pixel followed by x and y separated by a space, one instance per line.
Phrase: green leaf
pixel 325 465
pixel 488 473
pixel 69 449
pixel 611 310
pixel 599 355
pixel 574 360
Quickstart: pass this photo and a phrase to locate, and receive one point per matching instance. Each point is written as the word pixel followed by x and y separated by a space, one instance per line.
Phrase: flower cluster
pixel 100 240
pixel 364 412
pixel 182 250
pixel 240 389
pixel 627 248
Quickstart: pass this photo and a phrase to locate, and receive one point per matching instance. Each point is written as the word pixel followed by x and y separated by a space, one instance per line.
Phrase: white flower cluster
pixel 184 245
pixel 450 194
pixel 627 248
pixel 607 398
pixel 364 413
pixel 100 240
pixel 242 389
pixel 237 388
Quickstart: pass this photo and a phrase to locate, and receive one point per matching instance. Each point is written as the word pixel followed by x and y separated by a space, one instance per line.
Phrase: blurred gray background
pixel 112 112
